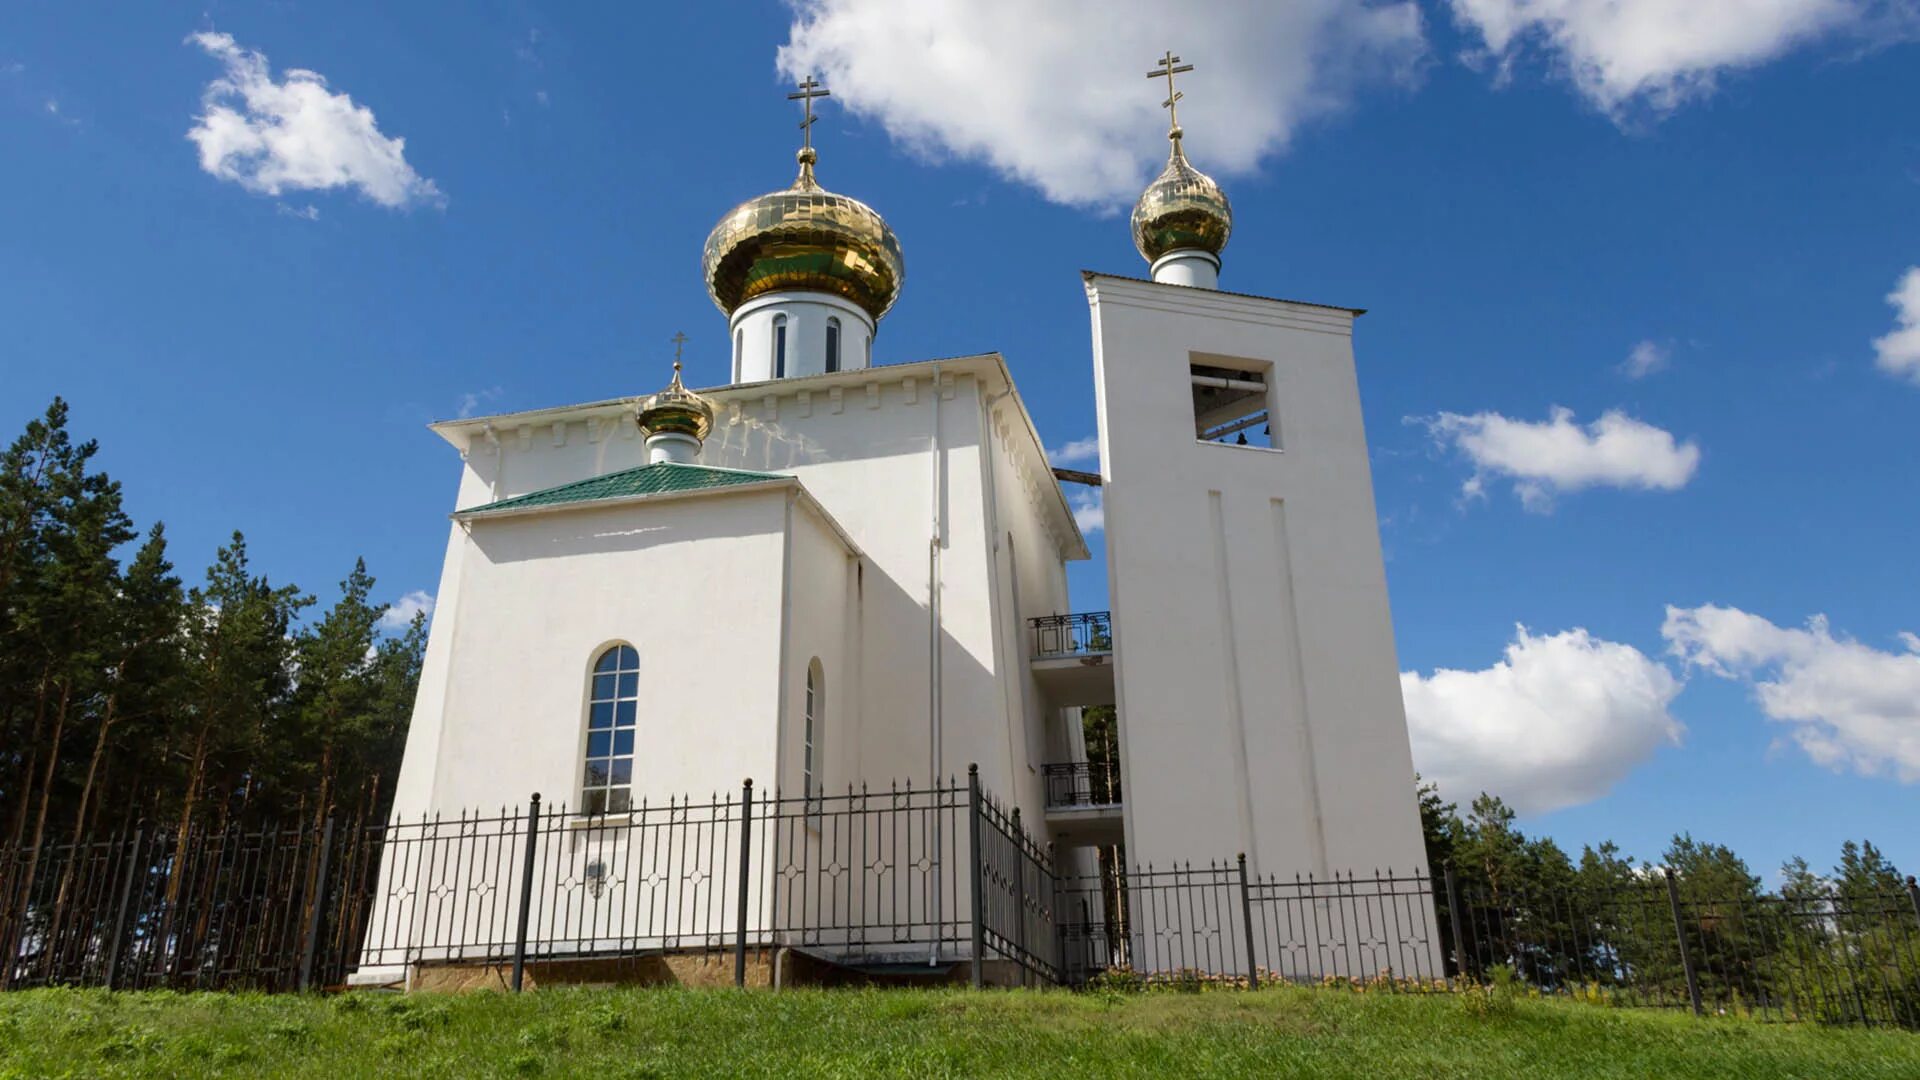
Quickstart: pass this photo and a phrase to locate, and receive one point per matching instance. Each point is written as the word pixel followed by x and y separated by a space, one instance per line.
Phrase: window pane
pixel 598 743
pixel 597 773
pixel 596 802
pixel 629 685
pixel 618 801
pixel 628 658
pixel 601 716
pixel 603 688
pixel 607 660
pixel 623 714
pixel 623 741
pixel 623 771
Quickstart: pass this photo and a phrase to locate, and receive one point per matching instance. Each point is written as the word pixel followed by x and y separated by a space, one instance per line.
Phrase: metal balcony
pixel 1073 658
pixel 1089 633
pixel 1083 801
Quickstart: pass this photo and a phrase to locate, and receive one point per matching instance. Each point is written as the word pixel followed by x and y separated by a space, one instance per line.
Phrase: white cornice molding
pixel 762 400
pixel 1214 304
pixel 789 484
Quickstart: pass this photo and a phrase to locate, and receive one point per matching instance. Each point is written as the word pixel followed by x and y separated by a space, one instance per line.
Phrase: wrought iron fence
pixel 1087 633
pixel 940 876
pixel 268 909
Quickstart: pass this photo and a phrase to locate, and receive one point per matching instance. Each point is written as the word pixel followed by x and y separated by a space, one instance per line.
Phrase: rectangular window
pixel 1232 405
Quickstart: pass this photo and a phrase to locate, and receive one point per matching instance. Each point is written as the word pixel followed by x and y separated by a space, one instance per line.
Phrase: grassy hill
pixel 648 1033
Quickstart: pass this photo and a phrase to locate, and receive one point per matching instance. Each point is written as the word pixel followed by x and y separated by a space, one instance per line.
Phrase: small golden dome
pixel 675 409
pixel 1182 209
pixel 804 238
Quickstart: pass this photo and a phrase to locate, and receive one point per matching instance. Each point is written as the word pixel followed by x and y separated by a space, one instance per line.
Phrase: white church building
pixel 844 569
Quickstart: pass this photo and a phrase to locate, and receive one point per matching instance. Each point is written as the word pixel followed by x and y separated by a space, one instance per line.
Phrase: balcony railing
pixel 1082 784
pixel 1088 633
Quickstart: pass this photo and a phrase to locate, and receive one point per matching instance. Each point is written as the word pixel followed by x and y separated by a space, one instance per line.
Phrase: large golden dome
pixel 1182 209
pixel 804 238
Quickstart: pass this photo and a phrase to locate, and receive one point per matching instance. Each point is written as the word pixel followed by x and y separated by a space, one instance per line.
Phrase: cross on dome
pixel 1170 66
pixel 807 91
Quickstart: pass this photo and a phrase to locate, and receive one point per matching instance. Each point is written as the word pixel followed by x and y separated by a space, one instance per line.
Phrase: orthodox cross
pixel 1170 66
pixel 679 339
pixel 804 95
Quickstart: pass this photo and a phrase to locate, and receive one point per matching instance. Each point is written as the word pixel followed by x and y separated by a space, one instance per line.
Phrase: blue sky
pixel 1525 196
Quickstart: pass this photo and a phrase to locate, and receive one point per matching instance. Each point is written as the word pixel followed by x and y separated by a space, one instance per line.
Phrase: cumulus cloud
pixel 1557 722
pixel 401 614
pixel 1898 354
pixel 1557 455
pixel 1849 705
pixel 1647 358
pixel 1054 94
pixel 1089 512
pixel 295 134
pixel 1623 55
pixel 1077 452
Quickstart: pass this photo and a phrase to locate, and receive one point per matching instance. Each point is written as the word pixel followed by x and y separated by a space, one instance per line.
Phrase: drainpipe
pixel 936 758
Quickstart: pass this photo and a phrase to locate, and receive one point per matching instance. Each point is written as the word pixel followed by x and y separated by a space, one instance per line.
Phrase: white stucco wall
pixel 864 446
pixel 1258 685
pixel 688 582
pixel 823 620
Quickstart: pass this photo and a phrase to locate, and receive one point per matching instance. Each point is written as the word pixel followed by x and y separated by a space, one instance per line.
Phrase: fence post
pixel 1680 937
pixel 126 900
pixel 1053 916
pixel 976 887
pixel 319 902
pixel 1454 924
pixel 1020 894
pixel 1246 924
pixel 526 892
pixel 746 863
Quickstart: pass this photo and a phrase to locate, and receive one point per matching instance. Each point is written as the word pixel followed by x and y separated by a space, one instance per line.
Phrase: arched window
pixel 612 700
pixel 833 344
pixel 779 346
pixel 739 345
pixel 812 746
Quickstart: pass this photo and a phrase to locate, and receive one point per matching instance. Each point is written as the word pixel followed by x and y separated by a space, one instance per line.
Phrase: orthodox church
pixel 834 571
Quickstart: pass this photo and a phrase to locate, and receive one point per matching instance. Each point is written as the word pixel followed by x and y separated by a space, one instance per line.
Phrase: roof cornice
pixel 1187 299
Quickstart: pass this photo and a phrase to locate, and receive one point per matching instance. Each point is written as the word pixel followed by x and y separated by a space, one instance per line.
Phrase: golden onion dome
pixel 1182 209
pixel 804 238
pixel 675 409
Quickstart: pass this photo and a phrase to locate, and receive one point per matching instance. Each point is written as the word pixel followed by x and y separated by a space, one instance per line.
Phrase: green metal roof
pixel 662 478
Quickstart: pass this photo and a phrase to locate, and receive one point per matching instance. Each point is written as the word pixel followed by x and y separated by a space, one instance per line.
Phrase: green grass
pixel 798 1033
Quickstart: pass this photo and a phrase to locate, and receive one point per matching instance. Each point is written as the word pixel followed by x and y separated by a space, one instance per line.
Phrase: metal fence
pixel 1072 635
pixel 1655 939
pixel 939 876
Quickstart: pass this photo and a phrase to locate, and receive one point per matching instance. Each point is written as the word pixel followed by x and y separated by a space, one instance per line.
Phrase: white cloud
pixel 1898 354
pixel 1077 452
pixel 296 134
pixel 1851 706
pixel 471 401
pixel 1055 94
pixel 400 615
pixel 1558 722
pixel 1556 455
pixel 1089 512
pixel 1647 358
pixel 304 213
pixel 1622 55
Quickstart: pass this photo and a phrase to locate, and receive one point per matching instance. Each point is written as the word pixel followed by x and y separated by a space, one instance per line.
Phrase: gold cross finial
pixel 804 95
pixel 1170 66
pixel 679 339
